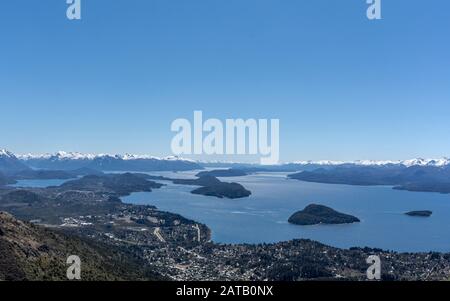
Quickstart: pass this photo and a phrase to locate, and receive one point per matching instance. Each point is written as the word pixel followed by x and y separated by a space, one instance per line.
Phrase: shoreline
pixel 170 243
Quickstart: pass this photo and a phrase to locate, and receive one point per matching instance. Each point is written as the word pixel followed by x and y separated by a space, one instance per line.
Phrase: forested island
pixel 319 214
pixel 211 186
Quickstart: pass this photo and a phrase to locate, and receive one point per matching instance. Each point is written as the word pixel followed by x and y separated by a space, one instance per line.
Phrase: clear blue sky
pixel 342 86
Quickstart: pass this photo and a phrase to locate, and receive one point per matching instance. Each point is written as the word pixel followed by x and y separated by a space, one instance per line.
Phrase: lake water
pixel 263 216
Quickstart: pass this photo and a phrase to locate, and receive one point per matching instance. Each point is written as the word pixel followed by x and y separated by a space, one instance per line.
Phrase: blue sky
pixel 343 87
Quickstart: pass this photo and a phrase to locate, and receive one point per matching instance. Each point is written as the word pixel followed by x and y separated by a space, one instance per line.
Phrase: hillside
pixel 414 178
pixel 29 252
pixel 122 184
pixel 9 163
pixel 4 180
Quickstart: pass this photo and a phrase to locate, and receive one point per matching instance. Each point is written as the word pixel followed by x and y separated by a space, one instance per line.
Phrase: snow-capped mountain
pixel 9 163
pixel 73 160
pixel 61 155
pixel 427 162
pixel 4 153
pixel 106 162
pixel 408 163
pixel 58 156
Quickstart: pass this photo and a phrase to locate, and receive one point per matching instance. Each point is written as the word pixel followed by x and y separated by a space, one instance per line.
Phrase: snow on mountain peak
pixel 6 153
pixel 408 163
pixel 73 156
pixel 62 155
pixel 427 162
pixel 321 162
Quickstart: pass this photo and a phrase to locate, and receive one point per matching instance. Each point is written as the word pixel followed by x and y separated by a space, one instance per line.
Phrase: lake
pixel 262 218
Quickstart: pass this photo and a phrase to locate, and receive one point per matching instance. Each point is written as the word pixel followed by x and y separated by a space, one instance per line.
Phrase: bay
pixel 262 218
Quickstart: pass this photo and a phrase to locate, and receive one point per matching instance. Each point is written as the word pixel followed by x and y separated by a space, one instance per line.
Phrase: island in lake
pixel 224 190
pixel 319 214
pixel 232 172
pixel 421 213
pixel 211 186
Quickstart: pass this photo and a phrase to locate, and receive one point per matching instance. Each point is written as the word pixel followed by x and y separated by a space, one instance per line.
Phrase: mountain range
pixel 79 159
pixel 22 165
pixel 11 163
pixel 426 178
pixel 62 156
pixel 408 163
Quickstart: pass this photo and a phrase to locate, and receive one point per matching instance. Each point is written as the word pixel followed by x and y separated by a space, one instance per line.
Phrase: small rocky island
pixel 421 213
pixel 319 214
